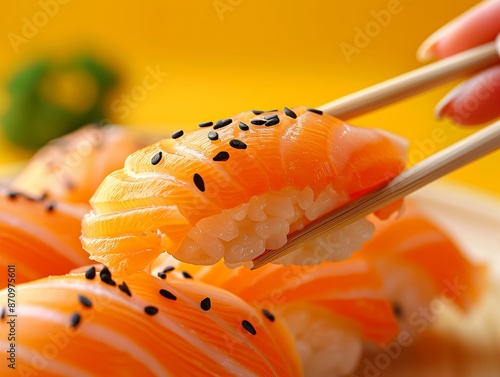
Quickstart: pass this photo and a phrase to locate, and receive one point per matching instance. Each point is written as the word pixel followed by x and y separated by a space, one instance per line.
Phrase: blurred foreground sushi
pixel 337 312
pixel 39 236
pixel 88 324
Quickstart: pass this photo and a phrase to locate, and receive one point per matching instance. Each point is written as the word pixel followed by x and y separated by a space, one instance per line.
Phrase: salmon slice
pixel 351 288
pixel 39 237
pixel 143 327
pixel 416 242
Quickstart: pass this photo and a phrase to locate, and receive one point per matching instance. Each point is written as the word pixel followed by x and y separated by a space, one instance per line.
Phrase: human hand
pixel 477 100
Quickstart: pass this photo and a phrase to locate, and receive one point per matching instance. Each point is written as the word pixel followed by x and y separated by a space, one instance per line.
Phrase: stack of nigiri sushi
pixel 166 227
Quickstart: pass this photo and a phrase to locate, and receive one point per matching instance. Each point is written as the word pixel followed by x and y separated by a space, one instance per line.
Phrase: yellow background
pixel 256 54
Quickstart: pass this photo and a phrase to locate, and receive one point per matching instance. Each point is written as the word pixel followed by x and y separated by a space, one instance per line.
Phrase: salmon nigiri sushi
pixel 233 189
pixel 330 309
pixel 419 261
pixel 70 168
pixel 452 343
pixel 88 324
pixel 409 265
pixel 38 236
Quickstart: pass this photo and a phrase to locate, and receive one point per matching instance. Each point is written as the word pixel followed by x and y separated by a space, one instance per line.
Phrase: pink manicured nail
pixel 442 109
pixel 475 101
pixel 428 49
pixel 476 26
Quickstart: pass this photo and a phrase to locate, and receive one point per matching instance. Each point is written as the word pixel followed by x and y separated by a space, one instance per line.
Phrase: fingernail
pixel 428 49
pixel 442 109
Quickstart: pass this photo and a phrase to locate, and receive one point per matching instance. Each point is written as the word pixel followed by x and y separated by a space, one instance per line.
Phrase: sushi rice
pixel 245 232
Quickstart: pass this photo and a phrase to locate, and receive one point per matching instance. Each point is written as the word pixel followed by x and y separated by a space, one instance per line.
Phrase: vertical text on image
pixel 11 315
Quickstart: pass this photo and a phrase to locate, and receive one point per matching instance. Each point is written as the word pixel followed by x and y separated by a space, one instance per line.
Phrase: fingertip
pixel 444 108
pixel 476 26
pixel 429 48
pixel 427 51
pixel 474 101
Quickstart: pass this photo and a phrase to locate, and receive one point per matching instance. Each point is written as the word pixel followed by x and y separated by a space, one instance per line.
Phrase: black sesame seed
pixel 157 158
pixel 206 124
pixel 316 111
pixel 249 327
pixel 290 113
pixel 168 269
pixel 268 315
pixel 272 116
pixel 237 144
pixel 168 294
pixel 206 304
pixel 198 181
pixel 150 310
pixel 162 275
pixel 3 313
pixel 177 134
pixel 221 156
pixel 272 122
pixel 74 320
pixel 186 275
pixel 397 310
pixel 110 282
pixel 105 272
pixel 212 135
pixel 258 122
pixel 105 276
pixel 125 289
pixel 51 207
pixel 222 123
pixel 243 126
pixel 90 273
pixel 43 197
pixel 13 195
pixel 85 301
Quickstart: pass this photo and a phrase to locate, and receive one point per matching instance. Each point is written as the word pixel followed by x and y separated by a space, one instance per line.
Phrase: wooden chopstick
pixel 479 144
pixel 458 155
pixel 413 82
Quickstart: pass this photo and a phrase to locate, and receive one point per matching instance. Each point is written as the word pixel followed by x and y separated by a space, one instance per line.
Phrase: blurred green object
pixel 50 99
